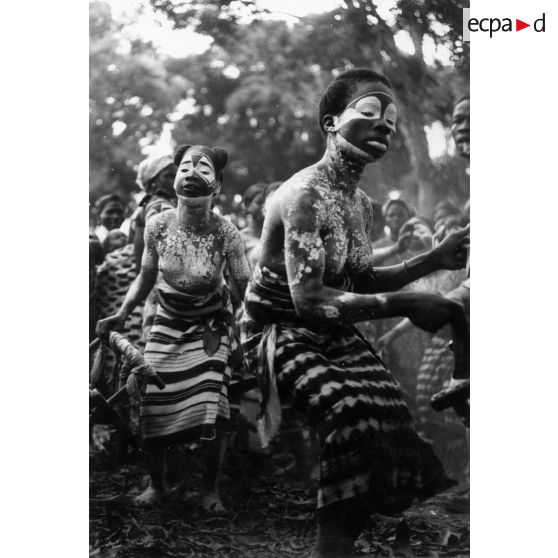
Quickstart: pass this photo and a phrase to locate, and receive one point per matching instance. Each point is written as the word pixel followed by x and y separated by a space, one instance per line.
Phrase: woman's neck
pixel 194 213
pixel 343 170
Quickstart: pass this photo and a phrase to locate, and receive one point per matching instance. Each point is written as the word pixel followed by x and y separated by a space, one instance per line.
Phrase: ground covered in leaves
pixel 271 514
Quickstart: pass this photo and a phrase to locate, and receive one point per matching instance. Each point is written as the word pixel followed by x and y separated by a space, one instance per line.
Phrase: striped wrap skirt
pixel 191 346
pixel 371 454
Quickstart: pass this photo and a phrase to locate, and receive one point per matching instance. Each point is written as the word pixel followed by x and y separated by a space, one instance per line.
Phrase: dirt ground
pixel 271 515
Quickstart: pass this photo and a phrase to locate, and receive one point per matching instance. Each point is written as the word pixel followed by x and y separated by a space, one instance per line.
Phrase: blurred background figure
pixel 461 132
pixel 115 239
pixel 461 127
pixel 396 212
pixel 155 177
pixel 444 210
pixel 108 213
pixel 254 201
pixel 403 355
pixel 96 257
pixel 253 204
pixel 113 279
pixel 445 429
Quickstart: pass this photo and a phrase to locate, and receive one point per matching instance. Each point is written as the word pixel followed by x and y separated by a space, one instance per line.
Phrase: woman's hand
pixel 452 252
pixel 405 237
pixel 431 311
pixel 112 323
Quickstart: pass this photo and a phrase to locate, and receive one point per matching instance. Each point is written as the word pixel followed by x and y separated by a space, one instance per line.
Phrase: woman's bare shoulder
pixel 304 187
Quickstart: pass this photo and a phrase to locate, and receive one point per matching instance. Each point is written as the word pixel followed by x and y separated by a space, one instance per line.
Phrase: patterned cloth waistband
pixel 268 297
pixel 190 306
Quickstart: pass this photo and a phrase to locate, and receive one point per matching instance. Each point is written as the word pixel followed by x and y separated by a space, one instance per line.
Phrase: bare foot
pixel 149 497
pixel 211 502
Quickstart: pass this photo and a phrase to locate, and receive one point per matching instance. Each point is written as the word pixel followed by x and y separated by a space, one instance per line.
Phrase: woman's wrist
pixel 434 258
pixel 124 311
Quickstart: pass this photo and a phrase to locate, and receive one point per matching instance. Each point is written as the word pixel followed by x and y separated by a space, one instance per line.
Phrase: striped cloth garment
pixel 371 454
pixel 191 346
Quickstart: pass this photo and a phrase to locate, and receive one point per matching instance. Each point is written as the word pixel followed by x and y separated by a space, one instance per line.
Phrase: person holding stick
pixel 191 344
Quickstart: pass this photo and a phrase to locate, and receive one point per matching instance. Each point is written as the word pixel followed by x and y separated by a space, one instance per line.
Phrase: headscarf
pixel 149 168
pixel 103 201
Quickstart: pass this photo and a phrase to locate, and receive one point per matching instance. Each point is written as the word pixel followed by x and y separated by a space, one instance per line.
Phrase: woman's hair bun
pixel 221 157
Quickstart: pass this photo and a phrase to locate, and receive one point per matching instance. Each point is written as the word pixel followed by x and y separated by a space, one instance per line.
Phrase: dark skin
pixel 460 128
pixel 396 216
pixel 164 182
pixel 191 247
pixel 317 229
pixel 111 215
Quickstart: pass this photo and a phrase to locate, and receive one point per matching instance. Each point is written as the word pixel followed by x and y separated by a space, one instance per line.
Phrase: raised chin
pixel 352 151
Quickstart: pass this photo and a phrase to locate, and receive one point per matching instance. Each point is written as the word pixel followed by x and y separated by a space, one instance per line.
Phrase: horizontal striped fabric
pixel 194 404
pixel 370 451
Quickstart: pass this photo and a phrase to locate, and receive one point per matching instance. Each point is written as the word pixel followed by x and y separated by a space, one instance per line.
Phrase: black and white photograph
pixel 279 279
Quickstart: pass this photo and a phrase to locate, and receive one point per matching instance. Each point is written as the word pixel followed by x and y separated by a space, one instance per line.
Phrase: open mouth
pixel 191 186
pixel 193 189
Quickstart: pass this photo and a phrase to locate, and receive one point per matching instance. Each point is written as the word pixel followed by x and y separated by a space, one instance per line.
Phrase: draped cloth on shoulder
pixel 192 347
pixel 370 451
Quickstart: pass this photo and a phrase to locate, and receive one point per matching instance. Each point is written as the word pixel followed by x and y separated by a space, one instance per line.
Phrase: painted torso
pixel 344 216
pixel 192 260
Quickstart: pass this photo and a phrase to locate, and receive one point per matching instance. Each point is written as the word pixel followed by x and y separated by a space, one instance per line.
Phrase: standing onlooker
pixel 96 256
pixel 253 202
pixel 109 214
pixel 396 213
pixel 155 177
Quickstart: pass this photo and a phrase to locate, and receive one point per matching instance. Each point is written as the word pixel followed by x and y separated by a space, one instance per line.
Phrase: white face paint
pixel 198 164
pixel 196 176
pixel 366 125
pixel 368 107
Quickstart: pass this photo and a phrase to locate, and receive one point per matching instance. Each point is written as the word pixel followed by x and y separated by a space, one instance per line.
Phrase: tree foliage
pixel 255 90
pixel 281 70
pixel 131 93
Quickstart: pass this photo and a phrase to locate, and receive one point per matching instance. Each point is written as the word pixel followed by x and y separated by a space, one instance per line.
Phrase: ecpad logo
pixel 493 25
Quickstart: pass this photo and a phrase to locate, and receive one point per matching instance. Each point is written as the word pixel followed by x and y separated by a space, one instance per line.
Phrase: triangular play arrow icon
pixel 519 25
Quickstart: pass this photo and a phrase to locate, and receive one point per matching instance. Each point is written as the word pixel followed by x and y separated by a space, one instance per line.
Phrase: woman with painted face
pixel 191 344
pixel 109 213
pixel 313 281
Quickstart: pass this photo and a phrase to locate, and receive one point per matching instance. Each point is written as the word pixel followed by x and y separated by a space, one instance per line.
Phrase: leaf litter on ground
pixel 273 516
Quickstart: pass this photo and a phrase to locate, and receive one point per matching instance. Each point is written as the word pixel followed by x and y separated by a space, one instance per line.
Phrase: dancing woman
pixel 191 344
pixel 314 279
